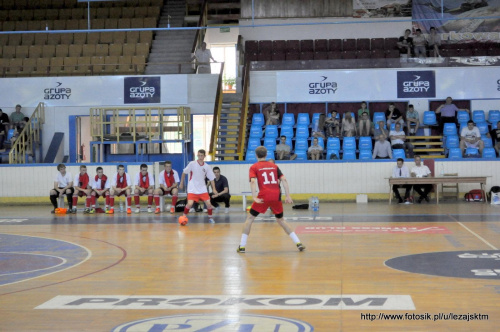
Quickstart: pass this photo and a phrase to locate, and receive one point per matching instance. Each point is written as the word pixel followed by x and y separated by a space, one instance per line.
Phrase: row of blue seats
pixel 332 143
pixel 429 118
pixel 456 153
pixel 450 129
pixel 453 141
pixel 345 155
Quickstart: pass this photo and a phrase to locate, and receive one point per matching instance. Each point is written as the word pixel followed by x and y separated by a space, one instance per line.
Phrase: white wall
pixel 215 36
pixel 304 178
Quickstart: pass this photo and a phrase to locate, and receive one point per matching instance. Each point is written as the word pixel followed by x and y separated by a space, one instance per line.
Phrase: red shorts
pixel 198 197
pixel 81 194
pixel 164 192
pixel 106 193
pixel 276 207
pixel 121 193
pixel 146 192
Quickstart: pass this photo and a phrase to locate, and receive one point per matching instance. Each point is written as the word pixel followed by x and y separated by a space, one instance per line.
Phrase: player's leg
pixel 209 211
pixel 137 201
pixel 93 198
pixel 53 199
pixel 277 208
pixel 74 201
pixel 111 202
pixel 69 198
pixel 158 193
pixel 247 227
pixel 190 203
pixel 175 195
pixel 150 200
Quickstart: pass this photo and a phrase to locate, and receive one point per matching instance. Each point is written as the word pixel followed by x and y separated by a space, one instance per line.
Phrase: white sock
pixel 294 237
pixel 243 241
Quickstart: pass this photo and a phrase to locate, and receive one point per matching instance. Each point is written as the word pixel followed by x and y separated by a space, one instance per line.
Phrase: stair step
pixel 423 137
pixel 439 156
pixel 228 136
pixel 226 154
pixel 429 150
pixel 427 143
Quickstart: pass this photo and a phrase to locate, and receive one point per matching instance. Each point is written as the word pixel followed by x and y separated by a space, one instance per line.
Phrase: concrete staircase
pixel 174 45
pixel 228 131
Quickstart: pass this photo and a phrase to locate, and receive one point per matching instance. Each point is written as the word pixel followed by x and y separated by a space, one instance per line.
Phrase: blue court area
pixel 25 257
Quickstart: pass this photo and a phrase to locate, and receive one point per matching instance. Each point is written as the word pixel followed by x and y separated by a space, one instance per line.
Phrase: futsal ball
pixel 183 220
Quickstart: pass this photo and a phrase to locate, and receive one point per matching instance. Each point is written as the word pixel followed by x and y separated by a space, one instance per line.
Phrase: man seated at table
pixel 421 171
pixel 401 171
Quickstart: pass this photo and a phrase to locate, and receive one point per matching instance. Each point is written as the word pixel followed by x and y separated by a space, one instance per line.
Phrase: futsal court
pixel 367 267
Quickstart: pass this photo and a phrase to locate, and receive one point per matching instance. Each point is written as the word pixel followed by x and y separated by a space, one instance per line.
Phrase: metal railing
pixel 245 82
pixel 216 118
pixel 29 138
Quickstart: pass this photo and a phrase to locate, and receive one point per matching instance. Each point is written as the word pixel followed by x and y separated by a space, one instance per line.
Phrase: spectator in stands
pixel 401 171
pixel 203 57
pixel 405 44
pixel 494 134
pixel 273 114
pixel 421 171
pixel 332 125
pixel 470 137
pixel 363 109
pixel 315 151
pixel 222 194
pixel 16 118
pixel 318 129
pixel 448 112
pixel 412 117
pixel 380 131
pixel 365 127
pixel 283 150
pixel 433 42
pixel 382 149
pixel 393 115
pixel 398 140
pixel 419 44
pixel 348 125
pixel 4 128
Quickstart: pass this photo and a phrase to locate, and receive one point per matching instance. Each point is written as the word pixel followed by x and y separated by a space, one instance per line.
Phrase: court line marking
pixel 64 261
pixel 478 236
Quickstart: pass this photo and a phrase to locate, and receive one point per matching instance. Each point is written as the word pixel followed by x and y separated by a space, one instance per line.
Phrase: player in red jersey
pixel 83 187
pixel 268 176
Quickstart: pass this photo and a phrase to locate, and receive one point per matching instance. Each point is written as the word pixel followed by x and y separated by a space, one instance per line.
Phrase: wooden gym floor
pixel 367 267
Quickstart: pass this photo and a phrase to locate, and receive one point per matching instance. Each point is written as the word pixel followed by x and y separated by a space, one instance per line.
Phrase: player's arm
pixel 181 186
pixel 288 199
pixel 253 188
pixel 214 191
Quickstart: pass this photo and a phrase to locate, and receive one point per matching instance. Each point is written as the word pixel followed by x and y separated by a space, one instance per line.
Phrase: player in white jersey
pixel 197 171
pixel 63 185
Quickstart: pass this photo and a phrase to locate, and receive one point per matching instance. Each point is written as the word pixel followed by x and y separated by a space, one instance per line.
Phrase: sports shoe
pixel 400 200
pixel 226 210
pixel 301 247
pixel 419 201
pixel 150 210
pixel 191 210
pixel 211 220
pixel 172 210
pixel 216 209
pixel 110 211
pixel 157 211
pixel 91 211
pixel 85 211
pixel 137 210
pixel 205 210
pixel 240 249
pixel 426 199
pixel 73 210
pixel 129 211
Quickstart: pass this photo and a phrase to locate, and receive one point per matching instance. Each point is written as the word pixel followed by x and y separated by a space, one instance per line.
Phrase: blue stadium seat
pixel 315 117
pixel 455 153
pixel 271 131
pixel 301 155
pixel 349 143
pixel 303 119
pixel 10 134
pixel 450 129
pixel 463 116
pixel 379 116
pixel 301 144
pixel 365 143
pixel 487 142
pixel 288 119
pixel 253 143
pixel 452 141
pixel 365 154
pixel 251 156
pixel 393 126
pixel 258 119
pixel 489 153
pixel 478 116
pixel 330 151
pixel 333 143
pixel 349 155
pixel 302 131
pixel 471 151
pixel 270 143
pixel 462 125
pixel 398 153
pixel 429 118
pixel 483 127
pixel 493 117
pixel 286 130
pixel 256 131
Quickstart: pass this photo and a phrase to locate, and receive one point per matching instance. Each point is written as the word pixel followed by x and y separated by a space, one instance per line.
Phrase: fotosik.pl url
pixel 425 317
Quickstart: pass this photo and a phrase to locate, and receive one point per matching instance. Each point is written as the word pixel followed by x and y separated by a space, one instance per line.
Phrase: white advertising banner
pixel 95 90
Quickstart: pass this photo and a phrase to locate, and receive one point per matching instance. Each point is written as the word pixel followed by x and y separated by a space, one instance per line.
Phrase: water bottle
pixel 121 206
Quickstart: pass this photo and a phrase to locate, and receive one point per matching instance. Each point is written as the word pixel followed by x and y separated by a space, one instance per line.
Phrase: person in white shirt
pixel 433 42
pixel 382 148
pixel 470 137
pixel 63 185
pixel 168 180
pixel 83 187
pixel 421 171
pixel 398 138
pixel 198 170
pixel 100 187
pixel 144 184
pixel 120 184
pixel 315 151
pixel 203 57
pixel 401 171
